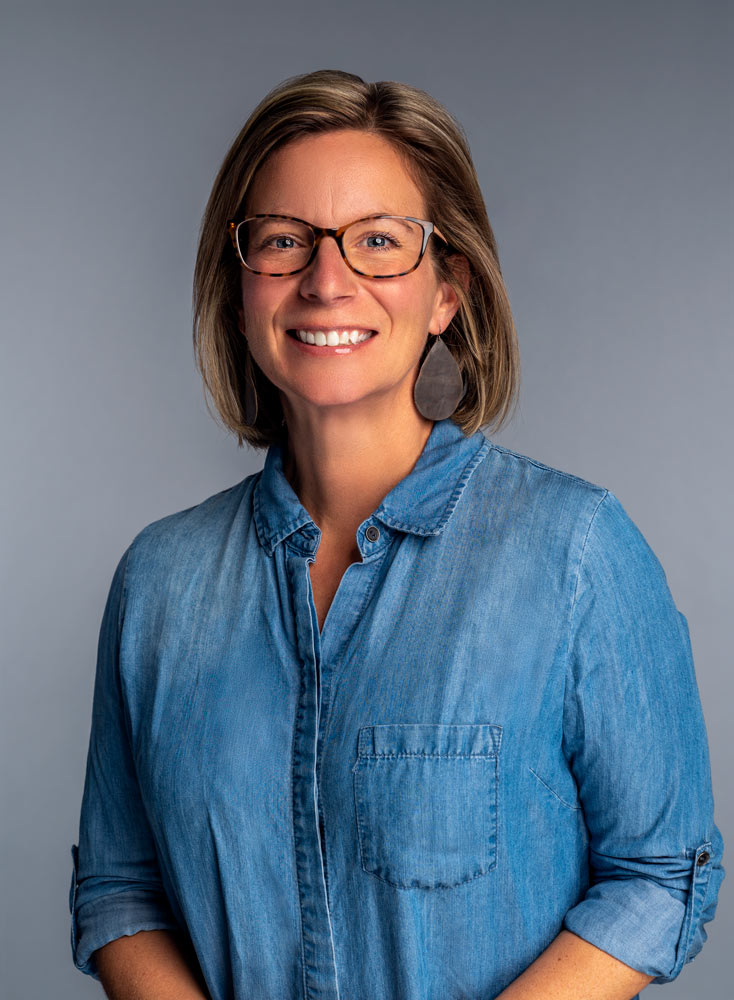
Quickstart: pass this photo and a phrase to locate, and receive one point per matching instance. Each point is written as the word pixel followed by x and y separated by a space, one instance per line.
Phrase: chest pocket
pixel 426 802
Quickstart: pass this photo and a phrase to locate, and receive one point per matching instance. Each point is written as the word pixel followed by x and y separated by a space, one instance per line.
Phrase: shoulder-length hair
pixel 433 145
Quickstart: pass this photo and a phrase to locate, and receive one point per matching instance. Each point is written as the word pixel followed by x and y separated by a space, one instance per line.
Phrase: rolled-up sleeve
pixel 116 886
pixel 636 741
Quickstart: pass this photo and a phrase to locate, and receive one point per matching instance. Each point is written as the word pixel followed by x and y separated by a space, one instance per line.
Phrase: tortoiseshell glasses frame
pixel 320 232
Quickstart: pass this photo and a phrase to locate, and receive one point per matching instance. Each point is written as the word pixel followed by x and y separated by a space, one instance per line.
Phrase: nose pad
pixel 332 254
pixel 328 271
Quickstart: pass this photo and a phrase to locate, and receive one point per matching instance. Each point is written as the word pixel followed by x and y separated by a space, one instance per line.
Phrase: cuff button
pixel 703 857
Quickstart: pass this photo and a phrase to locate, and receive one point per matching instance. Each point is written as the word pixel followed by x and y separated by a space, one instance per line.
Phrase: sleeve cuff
pixel 101 920
pixel 640 923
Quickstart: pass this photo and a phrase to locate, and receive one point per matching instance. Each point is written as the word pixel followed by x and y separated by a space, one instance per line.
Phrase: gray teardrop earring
pixel 439 387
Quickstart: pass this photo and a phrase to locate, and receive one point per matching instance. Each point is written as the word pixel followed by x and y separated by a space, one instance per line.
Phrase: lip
pixel 334 326
pixel 325 351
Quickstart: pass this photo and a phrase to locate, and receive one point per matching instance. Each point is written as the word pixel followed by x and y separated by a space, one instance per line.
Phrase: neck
pixel 342 461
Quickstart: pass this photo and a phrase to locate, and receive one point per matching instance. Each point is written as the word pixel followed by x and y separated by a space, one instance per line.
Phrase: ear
pixel 448 296
pixel 460 268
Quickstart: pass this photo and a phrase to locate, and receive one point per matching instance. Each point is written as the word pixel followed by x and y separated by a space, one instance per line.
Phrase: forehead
pixel 333 178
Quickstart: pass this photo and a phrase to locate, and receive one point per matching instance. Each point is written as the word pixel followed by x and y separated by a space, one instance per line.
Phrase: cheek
pixel 412 304
pixel 262 296
pixel 254 301
pixel 254 319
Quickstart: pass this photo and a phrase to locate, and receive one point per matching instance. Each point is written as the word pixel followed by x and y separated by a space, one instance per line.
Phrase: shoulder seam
pixel 572 610
pixel 159 521
pixel 581 559
pixel 123 590
pixel 547 468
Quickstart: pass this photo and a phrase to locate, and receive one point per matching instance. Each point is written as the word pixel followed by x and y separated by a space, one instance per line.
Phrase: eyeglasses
pixel 378 246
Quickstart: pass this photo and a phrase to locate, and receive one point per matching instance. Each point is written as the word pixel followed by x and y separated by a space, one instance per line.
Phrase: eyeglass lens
pixel 383 245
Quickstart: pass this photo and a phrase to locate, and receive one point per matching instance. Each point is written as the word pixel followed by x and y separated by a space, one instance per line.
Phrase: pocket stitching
pixel 360 829
pixel 410 753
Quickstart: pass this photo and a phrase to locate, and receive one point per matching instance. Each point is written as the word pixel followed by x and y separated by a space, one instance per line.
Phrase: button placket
pixel 320 973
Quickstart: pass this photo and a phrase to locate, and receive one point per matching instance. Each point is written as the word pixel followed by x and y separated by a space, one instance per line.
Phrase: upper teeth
pixel 330 338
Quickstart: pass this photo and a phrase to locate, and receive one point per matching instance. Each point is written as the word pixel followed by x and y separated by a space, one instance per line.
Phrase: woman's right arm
pixel 149 965
pixel 123 929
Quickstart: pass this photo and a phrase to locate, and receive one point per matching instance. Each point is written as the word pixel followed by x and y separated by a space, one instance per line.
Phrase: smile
pixel 331 338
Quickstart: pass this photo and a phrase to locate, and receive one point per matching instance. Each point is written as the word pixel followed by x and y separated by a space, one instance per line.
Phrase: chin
pixel 329 392
pixel 332 402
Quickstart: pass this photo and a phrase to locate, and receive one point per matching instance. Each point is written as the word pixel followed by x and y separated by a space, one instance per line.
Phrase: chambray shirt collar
pixel 421 503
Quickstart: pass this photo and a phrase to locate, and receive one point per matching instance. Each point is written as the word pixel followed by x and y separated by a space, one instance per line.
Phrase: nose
pixel 328 276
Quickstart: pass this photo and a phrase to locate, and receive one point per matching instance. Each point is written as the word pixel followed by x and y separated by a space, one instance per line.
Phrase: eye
pixel 384 241
pixel 280 242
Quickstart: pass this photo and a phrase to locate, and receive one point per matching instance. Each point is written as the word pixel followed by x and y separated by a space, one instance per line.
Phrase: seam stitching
pixel 457 756
pixel 569 805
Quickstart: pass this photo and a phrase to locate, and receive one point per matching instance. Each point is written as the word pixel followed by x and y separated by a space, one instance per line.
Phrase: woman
pixel 406 714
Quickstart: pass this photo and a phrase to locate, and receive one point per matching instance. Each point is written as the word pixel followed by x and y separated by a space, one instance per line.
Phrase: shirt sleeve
pixel 116 887
pixel 636 741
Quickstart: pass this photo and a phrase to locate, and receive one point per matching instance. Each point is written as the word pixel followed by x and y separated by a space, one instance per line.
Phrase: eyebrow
pixel 367 214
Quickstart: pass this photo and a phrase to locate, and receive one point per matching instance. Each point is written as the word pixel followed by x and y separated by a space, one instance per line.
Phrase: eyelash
pixel 386 236
pixel 396 243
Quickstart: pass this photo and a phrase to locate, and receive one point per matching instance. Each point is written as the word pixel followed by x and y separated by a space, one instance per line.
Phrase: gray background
pixel 602 134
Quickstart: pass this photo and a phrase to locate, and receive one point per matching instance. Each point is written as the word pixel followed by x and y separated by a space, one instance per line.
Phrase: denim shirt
pixel 497 734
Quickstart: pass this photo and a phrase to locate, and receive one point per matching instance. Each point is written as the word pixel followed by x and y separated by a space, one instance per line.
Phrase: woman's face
pixel 330 180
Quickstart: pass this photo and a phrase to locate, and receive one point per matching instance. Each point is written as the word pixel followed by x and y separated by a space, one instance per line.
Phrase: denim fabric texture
pixel 497 734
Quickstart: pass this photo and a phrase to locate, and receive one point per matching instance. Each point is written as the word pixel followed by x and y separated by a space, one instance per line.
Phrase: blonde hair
pixel 481 335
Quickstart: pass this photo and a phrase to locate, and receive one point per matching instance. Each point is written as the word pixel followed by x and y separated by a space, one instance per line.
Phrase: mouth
pixel 338 337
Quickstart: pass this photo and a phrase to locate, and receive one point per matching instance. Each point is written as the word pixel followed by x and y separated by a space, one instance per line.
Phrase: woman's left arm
pixel 573 969
pixel 635 739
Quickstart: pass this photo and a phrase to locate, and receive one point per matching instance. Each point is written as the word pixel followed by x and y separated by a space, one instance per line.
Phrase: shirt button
pixel 703 857
pixel 372 533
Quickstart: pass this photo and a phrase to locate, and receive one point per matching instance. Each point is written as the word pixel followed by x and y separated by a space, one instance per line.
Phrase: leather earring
pixel 439 387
